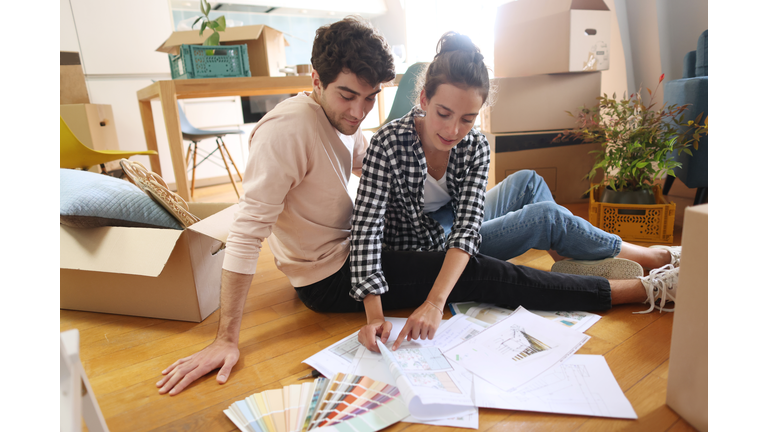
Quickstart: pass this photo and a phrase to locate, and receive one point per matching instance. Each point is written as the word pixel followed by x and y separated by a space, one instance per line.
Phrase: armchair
pixel 692 89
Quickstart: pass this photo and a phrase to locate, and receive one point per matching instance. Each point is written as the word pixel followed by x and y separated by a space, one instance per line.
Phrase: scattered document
pixel 579 321
pixel 516 349
pixel 339 356
pixel 581 385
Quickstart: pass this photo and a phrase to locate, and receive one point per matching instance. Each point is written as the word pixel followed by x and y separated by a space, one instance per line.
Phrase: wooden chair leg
pixel 231 160
pixel 231 178
pixel 194 167
pixel 189 153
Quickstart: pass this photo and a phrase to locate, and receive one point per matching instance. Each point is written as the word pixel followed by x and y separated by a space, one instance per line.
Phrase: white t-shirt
pixel 435 194
pixel 347 140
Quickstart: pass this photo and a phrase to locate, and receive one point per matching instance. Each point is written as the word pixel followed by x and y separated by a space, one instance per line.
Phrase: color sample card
pixel 338 403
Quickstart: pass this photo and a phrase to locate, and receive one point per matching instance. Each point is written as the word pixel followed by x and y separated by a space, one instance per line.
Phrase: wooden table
pixel 170 91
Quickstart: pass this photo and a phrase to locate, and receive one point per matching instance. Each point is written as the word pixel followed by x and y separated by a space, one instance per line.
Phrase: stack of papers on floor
pixel 344 402
pixel 487 357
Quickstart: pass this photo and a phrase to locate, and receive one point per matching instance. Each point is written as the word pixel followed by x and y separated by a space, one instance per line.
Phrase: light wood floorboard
pixel 123 357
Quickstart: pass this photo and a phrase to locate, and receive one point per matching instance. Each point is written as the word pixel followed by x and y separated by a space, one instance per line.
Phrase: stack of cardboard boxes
pixel 548 58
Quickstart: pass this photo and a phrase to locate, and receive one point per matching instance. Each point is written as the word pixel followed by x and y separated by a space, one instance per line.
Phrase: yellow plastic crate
pixel 653 223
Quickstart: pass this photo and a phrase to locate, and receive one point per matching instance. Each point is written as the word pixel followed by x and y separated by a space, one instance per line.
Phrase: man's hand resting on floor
pixel 183 372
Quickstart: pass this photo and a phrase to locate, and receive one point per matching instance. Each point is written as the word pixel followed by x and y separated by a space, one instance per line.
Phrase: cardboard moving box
pixel 266 46
pixel 687 384
pixel 92 124
pixel 156 273
pixel 551 36
pixel 72 87
pixel 563 165
pixel 539 103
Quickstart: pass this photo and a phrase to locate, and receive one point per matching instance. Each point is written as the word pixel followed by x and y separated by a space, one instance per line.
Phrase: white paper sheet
pixel 516 349
pixel 486 312
pixel 581 385
pixel 339 356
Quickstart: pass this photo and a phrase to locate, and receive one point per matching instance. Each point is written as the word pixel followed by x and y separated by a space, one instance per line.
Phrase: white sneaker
pixel 609 268
pixel 675 251
pixel 661 284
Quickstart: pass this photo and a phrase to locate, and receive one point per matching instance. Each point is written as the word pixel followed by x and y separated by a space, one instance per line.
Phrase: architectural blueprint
pixel 516 349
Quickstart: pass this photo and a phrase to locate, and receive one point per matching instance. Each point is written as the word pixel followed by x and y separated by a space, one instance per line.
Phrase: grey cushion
pixel 702 55
pixel 92 200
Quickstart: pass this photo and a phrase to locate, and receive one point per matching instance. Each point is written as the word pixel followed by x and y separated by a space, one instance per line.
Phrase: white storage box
pixel 551 36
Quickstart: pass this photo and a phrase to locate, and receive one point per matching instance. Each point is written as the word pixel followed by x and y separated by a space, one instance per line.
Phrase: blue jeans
pixel 520 214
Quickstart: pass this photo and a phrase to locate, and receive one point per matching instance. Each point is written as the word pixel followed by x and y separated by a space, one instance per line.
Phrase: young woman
pixel 423 190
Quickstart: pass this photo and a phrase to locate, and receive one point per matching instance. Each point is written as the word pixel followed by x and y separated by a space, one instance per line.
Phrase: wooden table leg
pixel 175 142
pixel 148 122
pixel 380 103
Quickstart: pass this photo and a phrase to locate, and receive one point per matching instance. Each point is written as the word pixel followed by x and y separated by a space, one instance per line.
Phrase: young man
pixel 301 156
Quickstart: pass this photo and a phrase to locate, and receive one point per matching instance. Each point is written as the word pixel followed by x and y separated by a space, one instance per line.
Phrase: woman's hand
pixel 422 324
pixel 367 334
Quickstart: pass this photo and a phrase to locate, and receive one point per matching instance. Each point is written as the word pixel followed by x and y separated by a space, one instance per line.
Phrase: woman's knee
pixel 523 177
pixel 549 210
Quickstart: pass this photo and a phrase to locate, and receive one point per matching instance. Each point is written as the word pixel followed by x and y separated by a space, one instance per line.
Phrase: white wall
pixel 681 22
pixel 68 34
pixel 660 33
pixel 614 80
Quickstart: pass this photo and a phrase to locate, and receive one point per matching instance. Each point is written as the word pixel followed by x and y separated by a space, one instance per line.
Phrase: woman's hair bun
pixel 453 41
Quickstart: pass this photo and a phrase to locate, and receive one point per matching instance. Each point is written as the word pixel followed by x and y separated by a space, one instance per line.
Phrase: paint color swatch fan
pixel 338 403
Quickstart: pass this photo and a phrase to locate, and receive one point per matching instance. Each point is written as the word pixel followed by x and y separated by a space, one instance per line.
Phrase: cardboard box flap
pixel 217 225
pixel 231 34
pixel 136 251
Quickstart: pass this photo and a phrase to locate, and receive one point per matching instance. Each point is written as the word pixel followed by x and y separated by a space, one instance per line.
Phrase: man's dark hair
pixel 352 44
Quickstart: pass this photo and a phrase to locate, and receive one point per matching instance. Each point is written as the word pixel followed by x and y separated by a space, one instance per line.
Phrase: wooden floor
pixel 123 357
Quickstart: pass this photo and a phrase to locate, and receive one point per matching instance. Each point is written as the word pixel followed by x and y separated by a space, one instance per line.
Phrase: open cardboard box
pixel 266 46
pixel 149 272
pixel 551 36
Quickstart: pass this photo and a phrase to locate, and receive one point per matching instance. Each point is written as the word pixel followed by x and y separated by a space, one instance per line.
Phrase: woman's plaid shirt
pixel 389 210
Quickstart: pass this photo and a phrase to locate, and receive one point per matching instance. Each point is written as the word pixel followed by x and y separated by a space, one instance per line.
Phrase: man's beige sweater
pixel 295 187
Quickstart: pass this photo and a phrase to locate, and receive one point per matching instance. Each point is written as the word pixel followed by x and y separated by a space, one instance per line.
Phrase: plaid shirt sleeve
pixel 469 199
pixel 368 222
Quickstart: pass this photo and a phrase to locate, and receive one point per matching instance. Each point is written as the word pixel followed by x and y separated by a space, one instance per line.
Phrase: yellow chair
pixel 74 154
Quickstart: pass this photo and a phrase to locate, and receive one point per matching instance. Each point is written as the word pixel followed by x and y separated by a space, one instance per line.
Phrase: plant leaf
pixel 202 27
pixel 202 7
pixel 212 39
pixel 198 19
pixel 222 21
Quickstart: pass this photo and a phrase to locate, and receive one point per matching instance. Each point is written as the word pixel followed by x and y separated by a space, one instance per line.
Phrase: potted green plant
pixel 637 141
pixel 217 25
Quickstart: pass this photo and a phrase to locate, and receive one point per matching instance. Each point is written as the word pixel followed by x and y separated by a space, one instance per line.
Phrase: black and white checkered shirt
pixel 389 210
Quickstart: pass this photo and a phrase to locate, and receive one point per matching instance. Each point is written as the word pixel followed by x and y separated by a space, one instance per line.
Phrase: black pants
pixel 410 276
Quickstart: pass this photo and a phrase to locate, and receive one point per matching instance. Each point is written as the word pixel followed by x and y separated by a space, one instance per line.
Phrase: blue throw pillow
pixel 93 200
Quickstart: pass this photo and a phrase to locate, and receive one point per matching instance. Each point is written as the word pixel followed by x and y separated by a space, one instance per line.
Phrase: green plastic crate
pixel 194 62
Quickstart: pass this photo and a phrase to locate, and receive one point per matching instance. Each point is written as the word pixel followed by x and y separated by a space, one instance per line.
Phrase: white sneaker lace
pixel 657 285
